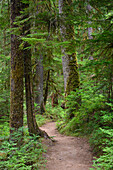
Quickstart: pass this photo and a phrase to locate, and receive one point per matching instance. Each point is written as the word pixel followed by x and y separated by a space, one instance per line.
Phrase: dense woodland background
pixel 56 62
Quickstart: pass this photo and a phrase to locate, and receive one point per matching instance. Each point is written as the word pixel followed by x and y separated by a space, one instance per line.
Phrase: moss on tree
pixel 73 81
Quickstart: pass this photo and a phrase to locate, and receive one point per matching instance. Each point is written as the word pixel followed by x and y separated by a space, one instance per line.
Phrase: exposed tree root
pixel 43 134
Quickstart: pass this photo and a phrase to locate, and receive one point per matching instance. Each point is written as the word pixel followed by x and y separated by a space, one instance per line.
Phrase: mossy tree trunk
pixel 32 126
pixel 38 78
pixel 28 89
pixel 31 120
pixel 16 78
pixel 69 59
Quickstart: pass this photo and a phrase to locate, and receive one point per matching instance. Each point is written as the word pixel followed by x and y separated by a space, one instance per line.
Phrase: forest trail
pixel 67 153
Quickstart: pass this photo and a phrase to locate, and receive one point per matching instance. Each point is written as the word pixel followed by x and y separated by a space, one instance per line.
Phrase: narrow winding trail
pixel 67 153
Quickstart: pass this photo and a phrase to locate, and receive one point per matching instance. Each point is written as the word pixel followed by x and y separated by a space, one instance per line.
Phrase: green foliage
pixel 93 118
pixel 73 101
pixel 4 85
pixel 89 109
pixel 84 112
pixel 4 59
pixel 55 113
pixel 4 128
pixel 105 161
pixel 26 156
pixel 41 119
pixel 102 139
pixel 70 128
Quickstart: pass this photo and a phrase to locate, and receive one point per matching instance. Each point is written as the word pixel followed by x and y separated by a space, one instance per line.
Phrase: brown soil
pixel 67 153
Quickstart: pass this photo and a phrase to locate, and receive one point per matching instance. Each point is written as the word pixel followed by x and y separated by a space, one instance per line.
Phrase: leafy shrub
pixel 4 129
pixel 55 113
pixel 105 161
pixel 41 119
pixel 85 114
pixel 73 102
pixel 102 139
pixel 70 128
pixel 27 156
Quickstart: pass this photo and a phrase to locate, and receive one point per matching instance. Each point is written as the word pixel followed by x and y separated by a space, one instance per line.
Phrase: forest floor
pixel 67 153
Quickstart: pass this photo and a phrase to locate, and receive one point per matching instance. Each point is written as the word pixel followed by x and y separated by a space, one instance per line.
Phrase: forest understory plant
pixel 29 155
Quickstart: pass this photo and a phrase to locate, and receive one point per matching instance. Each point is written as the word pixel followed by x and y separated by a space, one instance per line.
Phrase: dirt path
pixel 67 153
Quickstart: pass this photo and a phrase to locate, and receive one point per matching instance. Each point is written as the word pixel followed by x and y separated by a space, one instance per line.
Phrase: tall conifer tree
pixel 16 108
pixel 69 59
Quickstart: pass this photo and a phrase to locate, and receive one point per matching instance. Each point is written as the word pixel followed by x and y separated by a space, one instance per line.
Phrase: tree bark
pixel 16 79
pixel 54 99
pixel 31 120
pixel 32 125
pixel 39 84
pixel 28 88
pixel 47 87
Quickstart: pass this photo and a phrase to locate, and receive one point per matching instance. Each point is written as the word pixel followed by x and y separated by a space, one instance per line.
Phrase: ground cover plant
pixel 29 155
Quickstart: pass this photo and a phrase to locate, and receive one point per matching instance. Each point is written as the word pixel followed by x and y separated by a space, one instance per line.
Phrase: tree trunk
pixel 69 59
pixel 39 84
pixel 46 88
pixel 90 29
pixel 28 88
pixel 31 120
pixel 32 124
pixel 54 99
pixel 16 98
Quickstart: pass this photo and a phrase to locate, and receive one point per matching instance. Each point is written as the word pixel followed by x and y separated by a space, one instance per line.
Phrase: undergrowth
pixel 25 157
pixel 41 119
pixel 102 139
pixel 55 113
